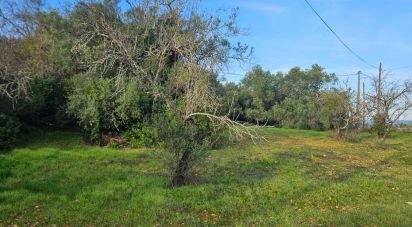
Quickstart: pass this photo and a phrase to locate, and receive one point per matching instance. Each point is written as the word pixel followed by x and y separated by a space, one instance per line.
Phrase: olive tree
pixel 174 53
pixel 337 110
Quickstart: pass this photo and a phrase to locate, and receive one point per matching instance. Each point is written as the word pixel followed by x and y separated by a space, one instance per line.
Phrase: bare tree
pixel 18 18
pixel 394 102
pixel 13 76
pixel 13 88
pixel 339 106
pixel 18 23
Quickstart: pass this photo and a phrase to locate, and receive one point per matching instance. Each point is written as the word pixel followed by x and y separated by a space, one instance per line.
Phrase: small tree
pixel 259 86
pixel 395 100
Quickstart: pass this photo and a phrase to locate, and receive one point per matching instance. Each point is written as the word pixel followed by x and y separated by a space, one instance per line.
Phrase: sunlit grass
pixel 295 178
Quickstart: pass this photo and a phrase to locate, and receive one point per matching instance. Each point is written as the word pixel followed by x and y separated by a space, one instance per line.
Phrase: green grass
pixel 295 178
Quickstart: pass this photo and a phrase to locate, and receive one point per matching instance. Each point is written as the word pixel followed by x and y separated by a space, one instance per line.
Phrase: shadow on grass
pixel 37 169
pixel 5 168
pixel 239 172
pixel 39 138
pixel 64 181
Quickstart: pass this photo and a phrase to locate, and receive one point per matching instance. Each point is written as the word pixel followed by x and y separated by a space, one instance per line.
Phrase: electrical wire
pixel 347 75
pixel 340 39
pixel 368 76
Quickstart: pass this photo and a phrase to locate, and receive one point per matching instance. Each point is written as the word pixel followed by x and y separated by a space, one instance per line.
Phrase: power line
pixel 368 76
pixel 347 75
pixel 234 74
pixel 337 36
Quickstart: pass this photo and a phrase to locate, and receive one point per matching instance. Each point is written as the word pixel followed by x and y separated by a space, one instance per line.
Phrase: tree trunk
pixel 180 174
pixel 386 132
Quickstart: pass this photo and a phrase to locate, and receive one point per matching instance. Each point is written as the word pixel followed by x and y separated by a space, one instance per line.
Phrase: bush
pixel 9 127
pixel 378 125
pixel 102 108
pixel 141 135
pixel 44 105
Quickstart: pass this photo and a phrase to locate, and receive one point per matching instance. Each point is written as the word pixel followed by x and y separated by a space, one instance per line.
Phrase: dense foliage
pixel 9 128
pixel 100 109
pixel 295 99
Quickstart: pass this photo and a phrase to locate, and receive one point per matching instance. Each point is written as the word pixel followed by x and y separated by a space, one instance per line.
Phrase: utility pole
pixel 358 97
pixel 364 107
pixel 378 99
pixel 358 101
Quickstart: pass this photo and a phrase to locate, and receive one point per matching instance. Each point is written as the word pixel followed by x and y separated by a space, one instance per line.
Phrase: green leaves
pixel 288 100
pixel 101 108
pixel 9 127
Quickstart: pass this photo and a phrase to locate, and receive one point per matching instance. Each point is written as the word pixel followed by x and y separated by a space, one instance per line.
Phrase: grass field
pixel 295 178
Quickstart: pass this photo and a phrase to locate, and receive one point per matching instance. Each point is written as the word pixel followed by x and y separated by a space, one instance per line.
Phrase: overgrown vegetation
pixel 9 128
pixel 297 99
pixel 115 113
pixel 147 74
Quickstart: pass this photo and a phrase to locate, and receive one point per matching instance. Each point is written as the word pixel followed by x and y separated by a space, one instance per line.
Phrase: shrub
pixel 90 101
pixel 9 127
pixel 43 105
pixel 378 125
pixel 102 108
pixel 141 135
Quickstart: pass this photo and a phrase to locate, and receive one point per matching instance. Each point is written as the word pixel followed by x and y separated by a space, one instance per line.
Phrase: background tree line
pixel 297 99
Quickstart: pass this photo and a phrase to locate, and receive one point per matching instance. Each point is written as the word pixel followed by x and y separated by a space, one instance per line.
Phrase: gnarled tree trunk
pixel 180 174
